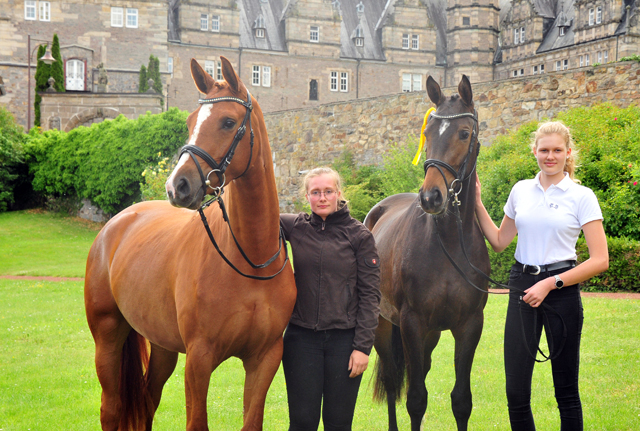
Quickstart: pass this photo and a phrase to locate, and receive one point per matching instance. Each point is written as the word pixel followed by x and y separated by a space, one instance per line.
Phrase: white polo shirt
pixel 549 223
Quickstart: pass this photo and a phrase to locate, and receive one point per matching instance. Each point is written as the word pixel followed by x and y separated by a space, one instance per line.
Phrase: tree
pixel 142 83
pixel 57 69
pixel 43 72
pixel 153 72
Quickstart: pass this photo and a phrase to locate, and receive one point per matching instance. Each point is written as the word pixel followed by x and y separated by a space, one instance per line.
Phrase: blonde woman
pixel 331 331
pixel 547 213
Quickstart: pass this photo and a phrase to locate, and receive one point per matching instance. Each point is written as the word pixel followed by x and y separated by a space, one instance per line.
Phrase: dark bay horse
pixel 422 293
pixel 155 285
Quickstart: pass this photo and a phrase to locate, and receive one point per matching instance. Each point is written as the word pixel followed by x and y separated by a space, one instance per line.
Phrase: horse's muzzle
pixel 183 195
pixel 432 201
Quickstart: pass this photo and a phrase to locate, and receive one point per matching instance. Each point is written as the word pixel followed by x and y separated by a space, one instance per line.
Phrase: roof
pixel 365 15
pixel 267 12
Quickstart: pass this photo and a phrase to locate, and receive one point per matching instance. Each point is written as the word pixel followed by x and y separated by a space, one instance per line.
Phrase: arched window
pixel 75 75
pixel 313 90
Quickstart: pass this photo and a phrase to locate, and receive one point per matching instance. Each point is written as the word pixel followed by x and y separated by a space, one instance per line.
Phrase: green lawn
pixel 48 380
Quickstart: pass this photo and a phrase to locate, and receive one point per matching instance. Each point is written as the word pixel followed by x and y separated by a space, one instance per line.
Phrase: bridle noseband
pixel 219 169
pixel 457 175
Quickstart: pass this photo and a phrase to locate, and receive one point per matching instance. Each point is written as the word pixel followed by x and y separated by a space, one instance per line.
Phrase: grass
pixel 39 243
pixel 49 383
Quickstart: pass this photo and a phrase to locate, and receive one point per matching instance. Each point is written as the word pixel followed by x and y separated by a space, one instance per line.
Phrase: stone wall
pixel 66 111
pixel 305 138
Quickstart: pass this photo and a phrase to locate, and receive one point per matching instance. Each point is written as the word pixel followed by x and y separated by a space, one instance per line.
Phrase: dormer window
pixel 360 7
pixel 358 36
pixel 259 27
pixel 561 31
pixel 563 23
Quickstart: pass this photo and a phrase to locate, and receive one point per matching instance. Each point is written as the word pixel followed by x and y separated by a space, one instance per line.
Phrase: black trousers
pixel 316 371
pixel 524 325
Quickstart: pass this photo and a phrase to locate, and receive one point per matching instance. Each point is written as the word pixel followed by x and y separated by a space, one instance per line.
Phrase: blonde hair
pixel 557 127
pixel 325 170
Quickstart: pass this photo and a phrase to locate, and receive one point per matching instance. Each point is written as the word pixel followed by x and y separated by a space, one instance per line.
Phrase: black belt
pixel 537 269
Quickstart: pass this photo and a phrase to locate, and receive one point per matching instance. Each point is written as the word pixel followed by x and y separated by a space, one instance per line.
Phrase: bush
pixel 624 267
pixel 11 157
pixel 104 162
pixel 155 177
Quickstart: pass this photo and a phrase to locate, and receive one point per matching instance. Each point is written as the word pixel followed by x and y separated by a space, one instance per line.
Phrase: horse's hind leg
pixel 162 362
pixel 466 339
pixel 259 375
pixel 390 367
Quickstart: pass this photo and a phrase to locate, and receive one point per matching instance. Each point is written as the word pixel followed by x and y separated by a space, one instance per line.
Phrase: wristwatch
pixel 559 282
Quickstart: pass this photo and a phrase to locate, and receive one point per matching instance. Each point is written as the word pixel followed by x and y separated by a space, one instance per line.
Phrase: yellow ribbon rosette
pixel 422 137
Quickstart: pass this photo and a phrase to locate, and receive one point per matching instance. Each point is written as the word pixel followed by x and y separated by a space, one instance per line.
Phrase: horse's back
pixel 389 209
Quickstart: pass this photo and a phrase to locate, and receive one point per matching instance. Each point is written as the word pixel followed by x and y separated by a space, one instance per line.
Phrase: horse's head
pixel 218 149
pixel 451 136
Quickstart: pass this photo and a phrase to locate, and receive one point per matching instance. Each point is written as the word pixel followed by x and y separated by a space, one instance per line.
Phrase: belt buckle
pixel 524 269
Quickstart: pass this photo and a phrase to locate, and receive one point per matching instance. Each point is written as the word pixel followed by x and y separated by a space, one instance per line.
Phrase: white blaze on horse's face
pixel 443 127
pixel 203 115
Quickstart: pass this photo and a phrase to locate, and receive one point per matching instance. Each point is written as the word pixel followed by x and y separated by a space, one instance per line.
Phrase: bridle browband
pixel 220 169
pixel 439 164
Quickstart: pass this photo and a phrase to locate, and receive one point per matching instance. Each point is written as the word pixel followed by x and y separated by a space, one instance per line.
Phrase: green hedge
pixel 104 162
pixel 12 139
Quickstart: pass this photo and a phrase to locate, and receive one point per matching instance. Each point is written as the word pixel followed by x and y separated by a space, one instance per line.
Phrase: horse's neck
pixel 467 209
pixel 252 205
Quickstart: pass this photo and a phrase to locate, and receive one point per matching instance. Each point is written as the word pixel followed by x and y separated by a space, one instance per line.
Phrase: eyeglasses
pixel 328 194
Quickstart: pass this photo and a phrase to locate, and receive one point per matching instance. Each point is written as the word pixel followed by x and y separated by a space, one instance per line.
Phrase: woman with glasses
pixel 331 331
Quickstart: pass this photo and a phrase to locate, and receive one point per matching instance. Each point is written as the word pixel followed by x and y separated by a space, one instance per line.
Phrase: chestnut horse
pixel 154 276
pixel 422 292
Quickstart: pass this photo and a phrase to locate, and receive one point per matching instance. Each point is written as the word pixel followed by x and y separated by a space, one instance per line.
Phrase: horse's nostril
pixel 183 189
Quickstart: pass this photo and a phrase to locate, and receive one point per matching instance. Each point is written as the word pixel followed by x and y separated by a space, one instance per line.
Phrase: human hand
pixel 358 362
pixel 539 291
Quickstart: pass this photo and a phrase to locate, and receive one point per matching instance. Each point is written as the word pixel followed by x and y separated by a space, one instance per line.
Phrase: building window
pixel 209 67
pixel 314 34
pixel 45 11
pixel 598 14
pixel 599 56
pixel 558 65
pixel 411 82
pixel 260 33
pixel 204 22
pixel 586 60
pixel 344 82
pixel 215 23
pixel 359 41
pixel 132 18
pixel 219 76
pixel 405 41
pixel 313 90
pixel 415 41
pixel 255 76
pixel 30 10
pixel 515 73
pixel 266 76
pixel 541 69
pixel 170 64
pixel 75 75
pixel 534 70
pixel 521 34
pixel 561 31
pixel 466 20
pixel 565 64
pixel 333 82
pixel 516 36
pixel 116 17
pixel 581 60
pixel 521 72
pixel 591 20
pixel 606 56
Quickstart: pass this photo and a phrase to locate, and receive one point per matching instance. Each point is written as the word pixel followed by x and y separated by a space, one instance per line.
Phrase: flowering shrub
pixel 154 177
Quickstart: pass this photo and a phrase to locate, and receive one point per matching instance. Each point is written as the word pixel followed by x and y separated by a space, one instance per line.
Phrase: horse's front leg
pixel 260 371
pixel 200 363
pixel 418 344
pixel 466 338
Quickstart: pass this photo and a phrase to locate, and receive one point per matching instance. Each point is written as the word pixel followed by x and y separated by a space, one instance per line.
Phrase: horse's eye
pixel 464 135
pixel 228 123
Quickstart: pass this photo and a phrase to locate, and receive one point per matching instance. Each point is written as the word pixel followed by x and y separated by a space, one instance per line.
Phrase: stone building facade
pixel 305 138
pixel 304 53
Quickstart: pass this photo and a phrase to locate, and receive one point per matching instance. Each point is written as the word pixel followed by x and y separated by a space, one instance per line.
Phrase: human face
pixel 551 154
pixel 321 204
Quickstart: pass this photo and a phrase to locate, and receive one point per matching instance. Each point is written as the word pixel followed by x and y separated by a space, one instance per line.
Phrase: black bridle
pixel 439 164
pixel 220 169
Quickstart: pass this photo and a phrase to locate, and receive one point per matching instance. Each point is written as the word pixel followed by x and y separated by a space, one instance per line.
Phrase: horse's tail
pixel 135 399
pixel 391 372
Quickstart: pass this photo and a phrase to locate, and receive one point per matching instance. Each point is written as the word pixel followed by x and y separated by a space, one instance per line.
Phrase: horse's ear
pixel 230 75
pixel 433 90
pixel 464 89
pixel 204 82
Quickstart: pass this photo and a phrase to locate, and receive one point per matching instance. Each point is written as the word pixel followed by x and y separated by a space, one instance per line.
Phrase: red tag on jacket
pixel 372 262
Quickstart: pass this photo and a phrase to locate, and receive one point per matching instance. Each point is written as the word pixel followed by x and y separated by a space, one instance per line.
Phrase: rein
pixel 439 164
pixel 219 169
